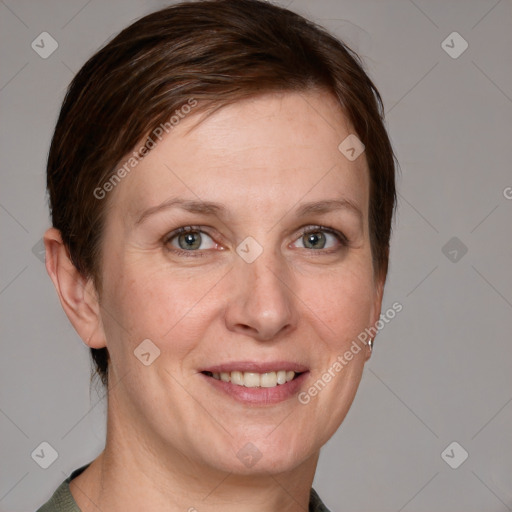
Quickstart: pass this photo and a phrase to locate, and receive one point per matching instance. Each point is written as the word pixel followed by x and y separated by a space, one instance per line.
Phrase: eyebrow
pixel 204 207
pixel 328 206
pixel 217 209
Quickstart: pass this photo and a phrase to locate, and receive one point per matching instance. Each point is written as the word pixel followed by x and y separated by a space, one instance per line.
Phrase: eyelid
pixel 310 228
pixel 184 229
pixel 187 229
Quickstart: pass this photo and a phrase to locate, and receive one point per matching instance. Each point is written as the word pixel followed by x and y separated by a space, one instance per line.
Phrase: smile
pixel 256 383
pixel 255 380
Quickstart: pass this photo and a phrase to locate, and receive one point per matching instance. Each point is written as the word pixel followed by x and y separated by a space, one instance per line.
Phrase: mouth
pixel 255 380
pixel 257 384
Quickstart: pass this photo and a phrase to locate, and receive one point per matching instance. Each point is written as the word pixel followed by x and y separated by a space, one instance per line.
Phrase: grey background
pixel 440 371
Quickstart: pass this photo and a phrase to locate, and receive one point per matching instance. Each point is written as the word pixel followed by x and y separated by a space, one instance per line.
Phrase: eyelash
pixel 179 231
pixel 342 239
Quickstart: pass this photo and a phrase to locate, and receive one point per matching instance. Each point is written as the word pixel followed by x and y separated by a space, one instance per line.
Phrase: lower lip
pixel 259 396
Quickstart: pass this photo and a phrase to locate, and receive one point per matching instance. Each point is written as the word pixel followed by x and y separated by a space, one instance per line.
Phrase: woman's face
pixel 243 290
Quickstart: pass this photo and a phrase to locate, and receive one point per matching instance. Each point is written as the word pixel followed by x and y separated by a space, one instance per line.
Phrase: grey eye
pixel 190 240
pixel 314 240
pixel 320 239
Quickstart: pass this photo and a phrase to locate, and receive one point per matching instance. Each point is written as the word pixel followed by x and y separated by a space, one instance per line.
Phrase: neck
pixel 135 472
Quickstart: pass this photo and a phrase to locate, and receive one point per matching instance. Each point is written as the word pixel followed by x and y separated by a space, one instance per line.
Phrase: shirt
pixel 63 501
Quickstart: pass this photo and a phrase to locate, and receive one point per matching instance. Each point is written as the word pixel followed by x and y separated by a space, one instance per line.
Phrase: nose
pixel 261 302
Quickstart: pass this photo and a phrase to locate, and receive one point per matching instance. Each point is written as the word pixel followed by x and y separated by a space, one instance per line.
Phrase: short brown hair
pixel 216 52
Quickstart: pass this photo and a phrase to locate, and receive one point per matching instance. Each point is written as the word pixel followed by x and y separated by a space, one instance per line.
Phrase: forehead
pixel 265 151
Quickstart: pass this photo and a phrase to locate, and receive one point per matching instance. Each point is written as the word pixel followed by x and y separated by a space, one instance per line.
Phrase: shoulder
pixel 62 500
pixel 315 503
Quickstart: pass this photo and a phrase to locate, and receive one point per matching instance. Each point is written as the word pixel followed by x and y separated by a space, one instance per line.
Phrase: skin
pixel 172 439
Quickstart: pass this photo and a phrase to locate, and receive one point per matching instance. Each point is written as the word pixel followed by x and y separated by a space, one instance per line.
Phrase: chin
pixel 261 456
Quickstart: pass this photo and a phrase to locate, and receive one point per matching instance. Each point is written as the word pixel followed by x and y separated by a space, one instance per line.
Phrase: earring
pixel 370 344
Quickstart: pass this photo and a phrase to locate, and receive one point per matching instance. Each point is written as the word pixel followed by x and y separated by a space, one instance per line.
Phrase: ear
pixel 376 307
pixel 77 294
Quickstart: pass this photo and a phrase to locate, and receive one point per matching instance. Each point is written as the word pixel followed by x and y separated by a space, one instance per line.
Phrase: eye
pixel 319 237
pixel 189 239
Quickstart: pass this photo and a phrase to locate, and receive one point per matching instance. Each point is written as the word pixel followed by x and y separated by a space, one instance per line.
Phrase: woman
pixel 222 191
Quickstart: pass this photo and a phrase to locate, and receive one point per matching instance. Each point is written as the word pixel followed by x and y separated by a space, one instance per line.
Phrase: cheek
pixel 341 303
pixel 171 311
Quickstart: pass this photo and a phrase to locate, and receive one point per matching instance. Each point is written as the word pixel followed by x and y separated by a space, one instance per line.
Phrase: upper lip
pixel 256 367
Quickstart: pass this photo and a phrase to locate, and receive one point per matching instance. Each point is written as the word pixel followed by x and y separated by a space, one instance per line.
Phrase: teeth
pixel 235 378
pixel 256 380
pixel 251 380
pixel 268 380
